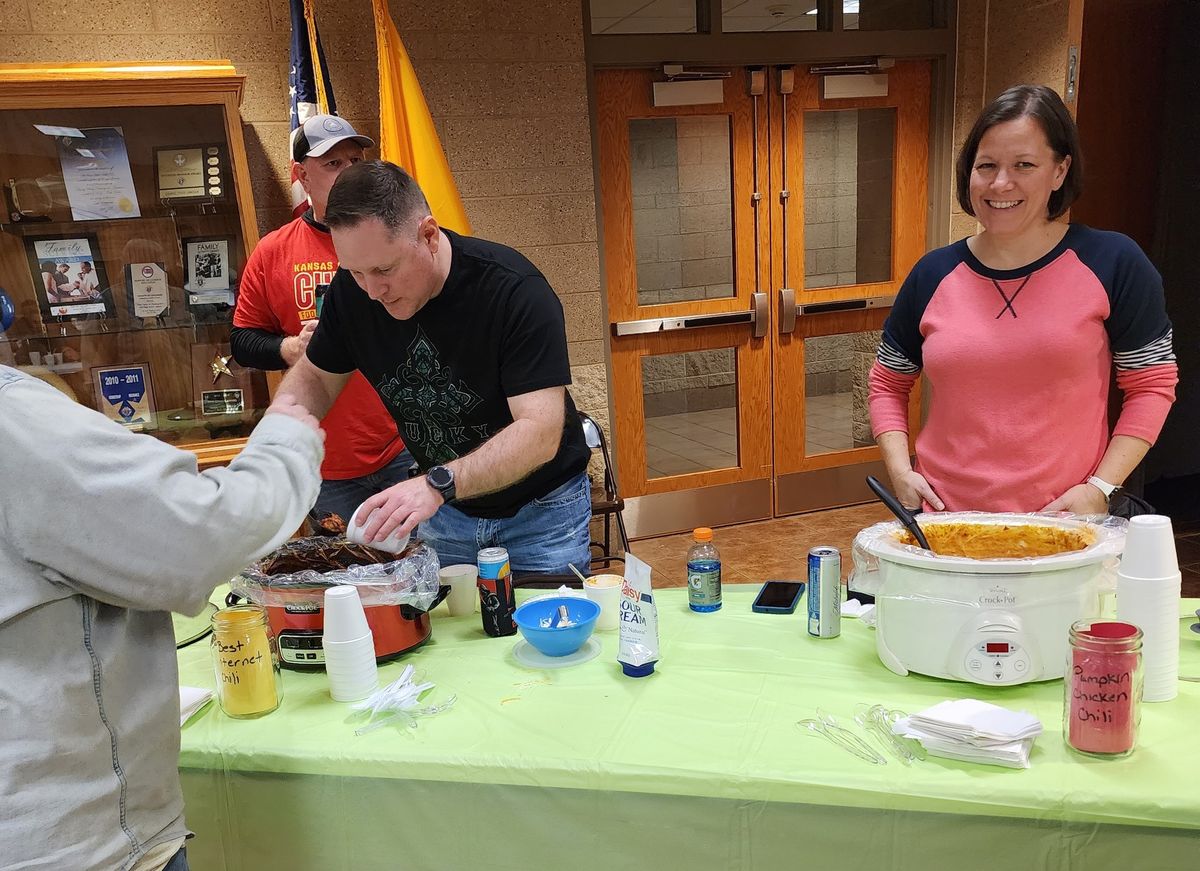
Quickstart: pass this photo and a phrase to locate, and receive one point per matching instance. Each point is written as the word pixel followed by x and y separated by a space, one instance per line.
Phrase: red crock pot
pixel 298 623
pixel 290 583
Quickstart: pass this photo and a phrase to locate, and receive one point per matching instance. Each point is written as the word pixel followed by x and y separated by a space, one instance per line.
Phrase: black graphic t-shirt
pixel 496 330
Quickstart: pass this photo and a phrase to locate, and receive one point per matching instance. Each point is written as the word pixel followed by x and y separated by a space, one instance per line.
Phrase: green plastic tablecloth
pixel 700 765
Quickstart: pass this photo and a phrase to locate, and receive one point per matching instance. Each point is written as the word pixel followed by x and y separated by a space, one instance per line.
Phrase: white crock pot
pixel 997 622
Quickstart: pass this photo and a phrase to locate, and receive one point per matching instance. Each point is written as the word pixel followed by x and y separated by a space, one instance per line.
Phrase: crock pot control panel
pixel 997 660
pixel 301 647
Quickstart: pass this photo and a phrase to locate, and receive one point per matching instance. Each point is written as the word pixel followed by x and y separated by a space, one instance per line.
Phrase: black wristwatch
pixel 442 479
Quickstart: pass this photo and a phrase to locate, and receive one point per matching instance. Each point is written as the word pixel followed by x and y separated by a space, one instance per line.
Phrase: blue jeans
pixel 343 497
pixel 545 536
pixel 178 861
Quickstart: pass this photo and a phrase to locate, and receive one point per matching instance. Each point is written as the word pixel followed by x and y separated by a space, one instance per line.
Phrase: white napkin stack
pixel 974 731
pixel 191 700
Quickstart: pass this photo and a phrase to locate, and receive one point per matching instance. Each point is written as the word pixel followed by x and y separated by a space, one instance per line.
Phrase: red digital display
pixel 997 647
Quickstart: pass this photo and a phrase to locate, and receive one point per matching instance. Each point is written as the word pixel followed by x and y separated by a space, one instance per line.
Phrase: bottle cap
pixel 702 533
pixel 638 670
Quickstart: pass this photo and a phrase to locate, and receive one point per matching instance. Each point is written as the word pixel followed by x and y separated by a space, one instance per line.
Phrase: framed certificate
pixel 68 277
pixel 124 394
pixel 193 172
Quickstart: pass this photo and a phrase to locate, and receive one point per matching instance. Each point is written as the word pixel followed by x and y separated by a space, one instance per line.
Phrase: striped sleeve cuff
pixel 890 357
pixel 1156 353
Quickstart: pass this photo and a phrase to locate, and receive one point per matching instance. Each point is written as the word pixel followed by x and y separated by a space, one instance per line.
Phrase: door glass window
pixel 643 16
pixel 893 14
pixel 757 16
pixel 849 161
pixel 690 402
pixel 682 208
pixel 836 417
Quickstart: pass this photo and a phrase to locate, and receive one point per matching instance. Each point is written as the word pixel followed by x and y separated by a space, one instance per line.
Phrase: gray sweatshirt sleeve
pixel 129 520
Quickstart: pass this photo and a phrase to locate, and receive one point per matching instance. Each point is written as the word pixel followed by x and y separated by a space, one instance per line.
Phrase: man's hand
pixel 402 506
pixel 1080 499
pixel 293 347
pixel 285 403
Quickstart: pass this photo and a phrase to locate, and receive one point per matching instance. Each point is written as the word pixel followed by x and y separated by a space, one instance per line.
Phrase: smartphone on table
pixel 778 597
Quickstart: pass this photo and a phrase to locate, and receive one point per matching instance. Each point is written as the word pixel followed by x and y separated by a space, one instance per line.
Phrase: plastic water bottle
pixel 704 572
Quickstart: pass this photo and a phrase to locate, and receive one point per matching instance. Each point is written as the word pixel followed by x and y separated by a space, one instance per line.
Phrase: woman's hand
pixel 1080 499
pixel 913 490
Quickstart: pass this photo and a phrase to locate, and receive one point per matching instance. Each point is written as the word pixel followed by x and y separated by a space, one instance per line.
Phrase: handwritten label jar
pixel 246 662
pixel 1103 687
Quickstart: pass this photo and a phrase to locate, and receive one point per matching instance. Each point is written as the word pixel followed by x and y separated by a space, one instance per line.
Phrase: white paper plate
pixel 528 655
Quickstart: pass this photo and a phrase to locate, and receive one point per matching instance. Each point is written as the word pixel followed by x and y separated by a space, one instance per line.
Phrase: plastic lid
pixel 702 533
pixel 639 670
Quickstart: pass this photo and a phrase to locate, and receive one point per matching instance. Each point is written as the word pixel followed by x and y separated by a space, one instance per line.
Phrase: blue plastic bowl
pixel 554 641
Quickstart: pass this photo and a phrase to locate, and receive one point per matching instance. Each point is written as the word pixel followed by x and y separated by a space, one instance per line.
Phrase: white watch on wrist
pixel 1104 487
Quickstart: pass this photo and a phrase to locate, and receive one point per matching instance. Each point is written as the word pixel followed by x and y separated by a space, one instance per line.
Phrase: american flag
pixel 309 88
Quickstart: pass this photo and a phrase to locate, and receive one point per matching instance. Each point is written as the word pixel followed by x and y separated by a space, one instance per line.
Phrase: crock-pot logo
pixel 997 596
pixel 302 608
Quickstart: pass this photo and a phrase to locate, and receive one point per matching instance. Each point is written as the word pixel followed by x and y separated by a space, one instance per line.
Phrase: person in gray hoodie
pixel 103 532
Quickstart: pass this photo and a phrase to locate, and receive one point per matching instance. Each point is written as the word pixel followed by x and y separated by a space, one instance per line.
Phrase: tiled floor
pixel 776 549
pixel 770 549
pixel 695 441
pixel 827 420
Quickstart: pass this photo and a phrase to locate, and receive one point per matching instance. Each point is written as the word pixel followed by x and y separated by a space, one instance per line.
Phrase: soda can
pixel 824 592
pixel 497 598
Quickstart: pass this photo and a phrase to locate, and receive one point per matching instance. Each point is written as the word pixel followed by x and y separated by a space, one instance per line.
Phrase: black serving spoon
pixel 888 498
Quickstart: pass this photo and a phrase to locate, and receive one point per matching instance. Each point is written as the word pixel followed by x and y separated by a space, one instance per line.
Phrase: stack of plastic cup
pixel 349 646
pixel 1148 589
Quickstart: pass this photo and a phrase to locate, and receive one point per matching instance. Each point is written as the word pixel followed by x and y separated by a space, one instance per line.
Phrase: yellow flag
pixel 406 133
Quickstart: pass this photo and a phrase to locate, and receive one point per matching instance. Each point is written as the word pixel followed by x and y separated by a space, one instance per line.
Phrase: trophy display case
pixel 127 219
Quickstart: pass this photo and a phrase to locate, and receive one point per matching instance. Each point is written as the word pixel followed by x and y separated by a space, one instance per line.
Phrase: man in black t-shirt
pixel 465 343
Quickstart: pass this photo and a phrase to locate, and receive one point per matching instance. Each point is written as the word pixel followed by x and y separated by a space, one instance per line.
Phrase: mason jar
pixel 1102 703
pixel 245 662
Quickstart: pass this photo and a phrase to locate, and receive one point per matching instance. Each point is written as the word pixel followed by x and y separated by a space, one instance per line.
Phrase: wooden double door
pixel 752 249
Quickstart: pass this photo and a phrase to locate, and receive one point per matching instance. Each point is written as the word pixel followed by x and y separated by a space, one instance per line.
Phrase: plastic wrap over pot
pixel 308 566
pixel 882 541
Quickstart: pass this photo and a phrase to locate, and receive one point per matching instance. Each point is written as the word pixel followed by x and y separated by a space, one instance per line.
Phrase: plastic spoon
pixel 888 498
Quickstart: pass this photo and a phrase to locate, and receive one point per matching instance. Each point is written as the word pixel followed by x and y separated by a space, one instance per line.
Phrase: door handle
pixel 756 317
pixel 787 311
pixel 846 305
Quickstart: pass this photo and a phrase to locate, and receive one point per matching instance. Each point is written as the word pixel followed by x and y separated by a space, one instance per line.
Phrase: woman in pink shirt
pixel 1017 331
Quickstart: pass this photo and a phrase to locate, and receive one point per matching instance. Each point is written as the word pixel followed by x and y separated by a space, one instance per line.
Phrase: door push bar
pixel 788 310
pixel 756 316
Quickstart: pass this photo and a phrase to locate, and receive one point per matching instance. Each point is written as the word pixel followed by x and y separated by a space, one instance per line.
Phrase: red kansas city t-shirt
pixel 278 291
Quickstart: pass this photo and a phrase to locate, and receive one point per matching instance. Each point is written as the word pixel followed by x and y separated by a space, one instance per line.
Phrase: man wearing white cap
pixel 279 301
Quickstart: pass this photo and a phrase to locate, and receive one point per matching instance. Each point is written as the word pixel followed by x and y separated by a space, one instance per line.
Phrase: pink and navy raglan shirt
pixel 1019 363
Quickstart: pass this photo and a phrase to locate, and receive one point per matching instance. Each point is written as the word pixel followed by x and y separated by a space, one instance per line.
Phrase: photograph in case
pixel 208 277
pixel 68 277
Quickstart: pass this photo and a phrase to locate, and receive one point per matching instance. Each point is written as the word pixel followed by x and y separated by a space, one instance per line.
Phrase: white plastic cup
pixel 1149 548
pixel 350 666
pixel 605 591
pixel 35 358
pixel 394 543
pixel 463 580
pixel 344 618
